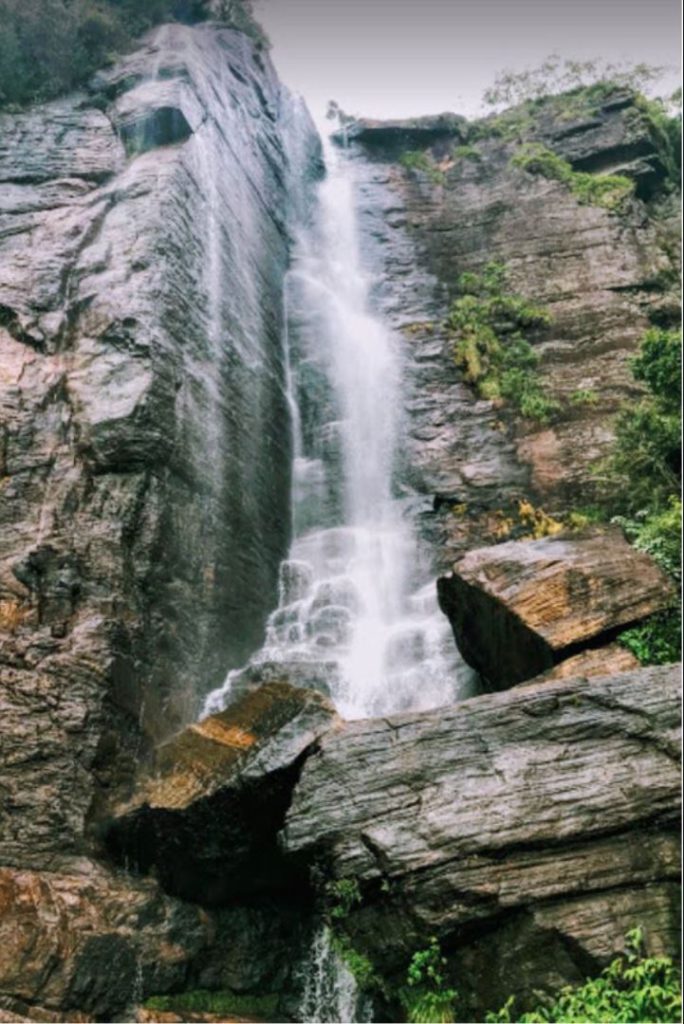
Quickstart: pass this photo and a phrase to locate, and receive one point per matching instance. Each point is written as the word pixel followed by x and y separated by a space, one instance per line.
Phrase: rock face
pixel 529 830
pixel 219 792
pixel 146 451
pixel 144 478
pixel 604 278
pixel 519 608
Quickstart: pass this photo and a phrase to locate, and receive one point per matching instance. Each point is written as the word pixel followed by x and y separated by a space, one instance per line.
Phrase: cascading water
pixel 358 616
pixel 329 990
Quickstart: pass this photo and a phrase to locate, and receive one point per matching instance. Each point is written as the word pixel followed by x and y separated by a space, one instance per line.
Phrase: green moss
pixel 417 160
pixel 203 1001
pixel 632 989
pixel 466 153
pixel 607 190
pixel 486 322
pixel 583 396
pixel 360 965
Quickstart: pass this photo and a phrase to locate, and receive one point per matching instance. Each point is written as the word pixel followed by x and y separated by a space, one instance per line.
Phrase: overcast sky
pixel 393 58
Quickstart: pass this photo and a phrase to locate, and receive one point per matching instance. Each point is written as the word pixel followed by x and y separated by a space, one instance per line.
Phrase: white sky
pixel 398 58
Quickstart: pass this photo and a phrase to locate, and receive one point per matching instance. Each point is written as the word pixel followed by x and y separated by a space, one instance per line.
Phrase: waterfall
pixel 330 993
pixel 358 615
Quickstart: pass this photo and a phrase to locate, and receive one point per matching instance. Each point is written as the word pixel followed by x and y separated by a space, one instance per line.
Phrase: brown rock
pixel 89 945
pixel 219 792
pixel 599 661
pixel 519 608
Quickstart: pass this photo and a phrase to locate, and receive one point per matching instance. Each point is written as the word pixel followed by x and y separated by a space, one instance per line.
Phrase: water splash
pixel 358 615
pixel 330 993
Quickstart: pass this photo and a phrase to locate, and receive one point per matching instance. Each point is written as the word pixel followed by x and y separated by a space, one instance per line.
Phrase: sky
pixel 401 58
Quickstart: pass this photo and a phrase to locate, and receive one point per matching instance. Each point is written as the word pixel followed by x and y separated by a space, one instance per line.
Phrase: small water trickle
pixel 358 615
pixel 330 994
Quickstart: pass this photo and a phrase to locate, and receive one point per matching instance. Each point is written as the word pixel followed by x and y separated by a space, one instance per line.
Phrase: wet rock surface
pixel 145 477
pixel 527 829
pixel 218 792
pixel 145 450
pixel 519 608
pixel 604 278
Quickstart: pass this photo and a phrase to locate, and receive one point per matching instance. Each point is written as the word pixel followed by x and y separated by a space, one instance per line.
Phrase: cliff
pixel 145 478
pixel 443 197
pixel 144 467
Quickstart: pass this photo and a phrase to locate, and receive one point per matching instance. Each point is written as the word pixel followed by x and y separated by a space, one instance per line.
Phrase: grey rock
pixel 538 824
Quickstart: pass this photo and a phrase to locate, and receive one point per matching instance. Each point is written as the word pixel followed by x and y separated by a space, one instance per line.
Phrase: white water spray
pixel 330 992
pixel 358 614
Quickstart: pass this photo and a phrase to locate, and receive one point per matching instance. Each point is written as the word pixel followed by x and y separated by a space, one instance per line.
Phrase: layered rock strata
pixel 145 230
pixel 219 792
pixel 529 830
pixel 518 609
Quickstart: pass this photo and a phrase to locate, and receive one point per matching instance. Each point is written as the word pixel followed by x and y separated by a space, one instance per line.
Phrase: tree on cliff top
pixel 48 47
pixel 558 75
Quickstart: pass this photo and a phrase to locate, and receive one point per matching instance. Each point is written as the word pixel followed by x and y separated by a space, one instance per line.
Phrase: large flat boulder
pixel 517 609
pixel 205 818
pixel 529 830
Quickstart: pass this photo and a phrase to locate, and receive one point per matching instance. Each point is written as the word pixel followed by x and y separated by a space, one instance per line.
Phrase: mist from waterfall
pixel 358 615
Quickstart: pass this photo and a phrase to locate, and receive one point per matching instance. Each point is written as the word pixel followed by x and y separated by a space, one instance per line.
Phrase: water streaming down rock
pixel 329 990
pixel 358 616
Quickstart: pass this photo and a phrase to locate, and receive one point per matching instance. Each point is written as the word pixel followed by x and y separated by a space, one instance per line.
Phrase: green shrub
pixel 427 998
pixel 658 640
pixel 631 990
pixel 607 190
pixel 203 1001
pixel 644 474
pixel 48 47
pixel 417 160
pixel 486 322
pixel 342 895
pixel 555 75
pixel 645 467
pixel 666 132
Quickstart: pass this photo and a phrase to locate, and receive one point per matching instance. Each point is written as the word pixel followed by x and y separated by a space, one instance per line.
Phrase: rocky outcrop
pixel 529 830
pixel 219 792
pixel 604 277
pixel 519 608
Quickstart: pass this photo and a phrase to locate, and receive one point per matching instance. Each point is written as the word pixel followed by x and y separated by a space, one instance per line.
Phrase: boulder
pixel 519 608
pixel 206 817
pixel 529 830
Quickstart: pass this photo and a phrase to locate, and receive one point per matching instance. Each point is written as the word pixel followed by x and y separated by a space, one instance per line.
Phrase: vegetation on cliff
pixel 48 47
pixel 644 476
pixel 427 996
pixel 486 322
pixel 607 190
pixel 632 989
